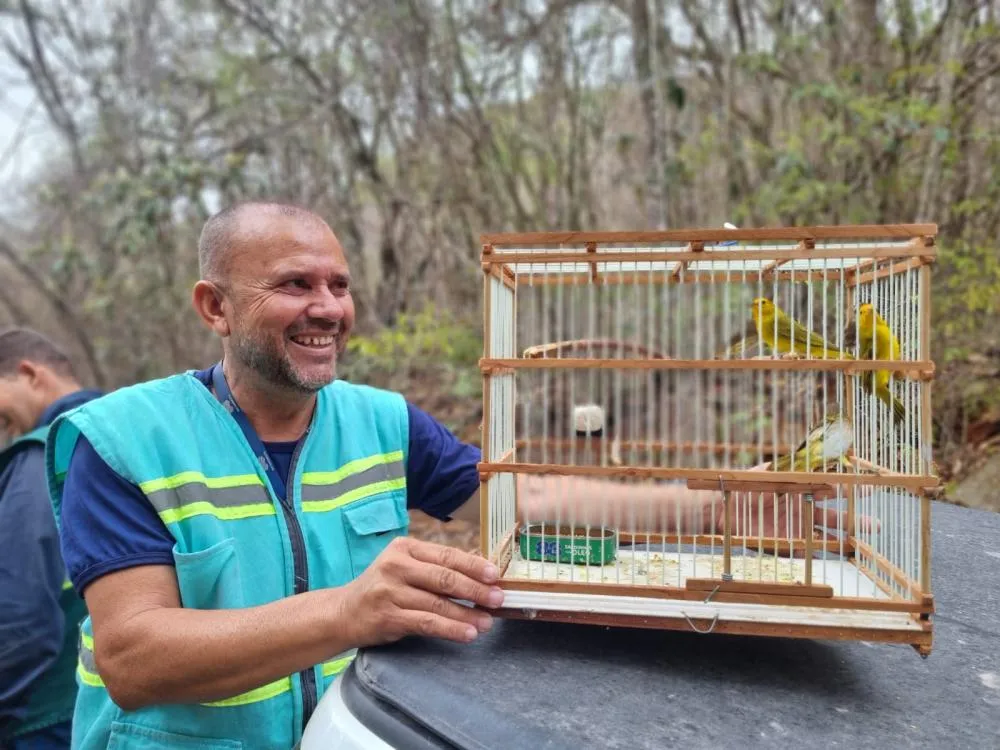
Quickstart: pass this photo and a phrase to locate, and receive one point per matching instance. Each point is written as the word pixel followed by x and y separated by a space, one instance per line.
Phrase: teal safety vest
pixel 54 694
pixel 237 543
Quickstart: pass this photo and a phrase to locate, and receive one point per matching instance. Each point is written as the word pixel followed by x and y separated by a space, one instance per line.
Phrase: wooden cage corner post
pixel 484 478
pixel 926 427
pixel 513 407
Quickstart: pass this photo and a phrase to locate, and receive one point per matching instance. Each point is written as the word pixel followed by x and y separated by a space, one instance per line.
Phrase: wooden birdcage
pixel 627 370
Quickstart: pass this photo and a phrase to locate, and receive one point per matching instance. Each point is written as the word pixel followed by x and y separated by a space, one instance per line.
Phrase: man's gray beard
pixel 259 355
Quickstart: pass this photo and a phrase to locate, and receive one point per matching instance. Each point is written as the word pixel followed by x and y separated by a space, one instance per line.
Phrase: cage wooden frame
pixel 719 605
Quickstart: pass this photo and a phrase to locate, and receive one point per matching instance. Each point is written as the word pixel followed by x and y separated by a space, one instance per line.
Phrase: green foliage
pixel 431 343
pixel 966 300
pixel 129 252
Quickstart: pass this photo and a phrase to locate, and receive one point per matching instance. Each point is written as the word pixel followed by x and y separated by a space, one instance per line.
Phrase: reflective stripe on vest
pixel 87 670
pixel 86 667
pixel 364 477
pixel 191 493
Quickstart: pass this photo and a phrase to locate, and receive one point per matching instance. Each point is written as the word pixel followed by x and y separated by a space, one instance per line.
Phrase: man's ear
pixel 29 371
pixel 210 302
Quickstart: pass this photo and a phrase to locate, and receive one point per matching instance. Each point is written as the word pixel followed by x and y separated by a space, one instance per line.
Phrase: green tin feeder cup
pixel 565 544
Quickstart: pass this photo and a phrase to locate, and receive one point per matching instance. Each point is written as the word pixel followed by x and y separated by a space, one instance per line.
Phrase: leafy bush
pixel 430 344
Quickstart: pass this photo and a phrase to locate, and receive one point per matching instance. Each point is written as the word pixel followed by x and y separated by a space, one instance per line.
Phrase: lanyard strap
pixel 226 398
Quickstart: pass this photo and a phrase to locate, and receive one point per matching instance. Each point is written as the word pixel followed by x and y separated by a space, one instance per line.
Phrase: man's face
pixel 21 404
pixel 292 306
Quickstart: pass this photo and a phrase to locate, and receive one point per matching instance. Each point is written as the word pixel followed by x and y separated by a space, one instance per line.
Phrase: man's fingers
pixel 470 565
pixel 415 600
pixel 421 622
pixel 831 518
pixel 439 579
pixel 868 524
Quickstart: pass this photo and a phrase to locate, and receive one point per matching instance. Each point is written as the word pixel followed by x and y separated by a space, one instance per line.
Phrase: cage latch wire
pixel 711 627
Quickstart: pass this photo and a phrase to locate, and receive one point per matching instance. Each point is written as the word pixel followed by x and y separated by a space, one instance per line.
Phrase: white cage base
pixel 532 603
pixel 635 569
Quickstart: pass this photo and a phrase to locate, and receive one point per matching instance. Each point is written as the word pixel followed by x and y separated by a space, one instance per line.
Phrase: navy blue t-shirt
pixel 108 525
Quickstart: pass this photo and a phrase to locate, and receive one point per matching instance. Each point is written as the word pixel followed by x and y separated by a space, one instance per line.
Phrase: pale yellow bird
pixel 825 447
pixel 785 335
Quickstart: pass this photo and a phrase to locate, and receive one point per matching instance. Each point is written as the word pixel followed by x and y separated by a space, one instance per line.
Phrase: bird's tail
pixel 783 463
pixel 898 410
pixel 830 353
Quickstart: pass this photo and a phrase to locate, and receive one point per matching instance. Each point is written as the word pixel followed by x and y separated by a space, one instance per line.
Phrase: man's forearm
pixel 647 507
pixel 176 655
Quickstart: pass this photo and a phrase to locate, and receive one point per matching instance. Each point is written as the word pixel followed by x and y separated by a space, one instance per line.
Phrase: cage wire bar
pixel 633 360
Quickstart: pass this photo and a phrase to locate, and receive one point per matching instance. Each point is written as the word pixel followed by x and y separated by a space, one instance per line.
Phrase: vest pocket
pixel 127 736
pixel 371 525
pixel 210 578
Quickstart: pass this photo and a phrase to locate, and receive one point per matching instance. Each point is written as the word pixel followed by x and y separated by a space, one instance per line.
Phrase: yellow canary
pixel 826 444
pixel 874 334
pixel 783 334
pixel 877 341
pixel 883 393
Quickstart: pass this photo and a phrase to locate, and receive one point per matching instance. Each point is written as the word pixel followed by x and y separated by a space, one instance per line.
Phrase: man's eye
pixel 297 283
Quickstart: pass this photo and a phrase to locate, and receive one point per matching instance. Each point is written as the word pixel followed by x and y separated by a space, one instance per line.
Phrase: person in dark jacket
pixel 39 611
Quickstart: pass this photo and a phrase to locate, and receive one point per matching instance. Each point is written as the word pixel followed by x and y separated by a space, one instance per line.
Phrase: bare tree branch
pixel 66 314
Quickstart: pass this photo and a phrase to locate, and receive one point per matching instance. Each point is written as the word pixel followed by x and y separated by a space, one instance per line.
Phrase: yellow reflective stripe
pixel 360 464
pixel 320 506
pixel 88 678
pixel 276 688
pixel 264 692
pixel 337 666
pixel 173 515
pixel 187 477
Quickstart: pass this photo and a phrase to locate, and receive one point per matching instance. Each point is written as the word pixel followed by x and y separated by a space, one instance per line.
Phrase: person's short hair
pixel 19 344
pixel 222 228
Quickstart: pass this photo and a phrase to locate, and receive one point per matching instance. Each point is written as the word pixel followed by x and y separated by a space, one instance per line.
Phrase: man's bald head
pixel 224 231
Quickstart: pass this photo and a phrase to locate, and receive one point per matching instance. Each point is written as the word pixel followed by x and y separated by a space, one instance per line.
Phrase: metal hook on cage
pixel 711 627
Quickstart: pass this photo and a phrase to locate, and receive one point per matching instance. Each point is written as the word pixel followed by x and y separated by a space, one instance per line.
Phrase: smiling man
pixel 238 531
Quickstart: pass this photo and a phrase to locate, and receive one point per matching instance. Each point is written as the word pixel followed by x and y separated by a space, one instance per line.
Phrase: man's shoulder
pixel 149 391
pixel 21 466
pixel 343 389
pixel 14 455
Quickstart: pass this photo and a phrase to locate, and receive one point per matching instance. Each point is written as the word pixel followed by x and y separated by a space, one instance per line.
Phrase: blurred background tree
pixel 412 126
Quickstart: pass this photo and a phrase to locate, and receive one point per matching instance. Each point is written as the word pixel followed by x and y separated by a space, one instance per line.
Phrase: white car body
pixel 334 726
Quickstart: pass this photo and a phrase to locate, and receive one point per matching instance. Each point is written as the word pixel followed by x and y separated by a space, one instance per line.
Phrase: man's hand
pixel 151 650
pixel 408 590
